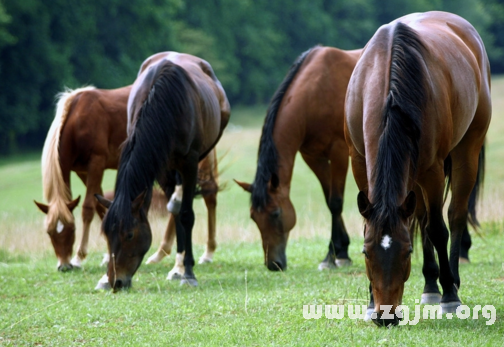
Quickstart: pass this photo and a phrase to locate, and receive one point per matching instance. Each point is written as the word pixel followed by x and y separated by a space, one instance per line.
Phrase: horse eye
pixel 275 214
pixel 129 237
pixel 365 253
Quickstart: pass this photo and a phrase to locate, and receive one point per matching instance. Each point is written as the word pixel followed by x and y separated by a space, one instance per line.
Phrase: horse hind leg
pixel 167 243
pixel 211 205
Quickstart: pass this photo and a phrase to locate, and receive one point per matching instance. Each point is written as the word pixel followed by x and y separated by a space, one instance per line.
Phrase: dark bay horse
pixel 305 115
pixel 419 96
pixel 208 176
pixel 85 135
pixel 177 111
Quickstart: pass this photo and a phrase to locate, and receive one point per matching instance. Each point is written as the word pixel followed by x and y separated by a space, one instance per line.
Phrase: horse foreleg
pixel 438 235
pixel 92 180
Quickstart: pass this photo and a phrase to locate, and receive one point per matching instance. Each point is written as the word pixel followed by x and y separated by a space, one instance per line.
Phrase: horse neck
pixel 288 143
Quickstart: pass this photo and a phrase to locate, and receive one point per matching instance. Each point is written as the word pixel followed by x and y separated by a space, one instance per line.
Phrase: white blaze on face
pixel 59 227
pixel 386 242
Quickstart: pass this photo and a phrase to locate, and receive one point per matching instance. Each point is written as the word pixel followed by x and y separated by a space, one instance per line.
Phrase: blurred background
pixel 46 45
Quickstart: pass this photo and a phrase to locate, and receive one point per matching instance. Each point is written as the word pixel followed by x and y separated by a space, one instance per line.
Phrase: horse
pixel 305 115
pixel 418 99
pixel 209 186
pixel 177 112
pixel 84 137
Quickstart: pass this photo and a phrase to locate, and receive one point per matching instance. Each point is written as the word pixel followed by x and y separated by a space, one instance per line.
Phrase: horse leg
pixel 207 176
pixel 186 217
pixel 465 245
pixel 211 205
pixel 464 172
pixel 333 184
pixel 438 235
pixel 167 243
pixel 92 180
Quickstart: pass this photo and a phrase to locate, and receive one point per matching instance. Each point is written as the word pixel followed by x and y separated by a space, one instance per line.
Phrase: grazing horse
pixel 305 115
pixel 84 137
pixel 419 97
pixel 208 182
pixel 177 111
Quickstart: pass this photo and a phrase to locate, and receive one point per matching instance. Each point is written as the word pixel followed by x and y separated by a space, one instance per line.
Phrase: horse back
pixel 96 126
pixel 313 105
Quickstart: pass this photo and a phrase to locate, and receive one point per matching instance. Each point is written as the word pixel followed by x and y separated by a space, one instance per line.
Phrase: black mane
pixel 149 145
pixel 401 125
pixel 267 161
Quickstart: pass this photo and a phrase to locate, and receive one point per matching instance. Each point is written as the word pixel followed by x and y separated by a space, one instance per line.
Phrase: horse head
pixel 128 236
pixel 388 248
pixel 60 226
pixel 275 219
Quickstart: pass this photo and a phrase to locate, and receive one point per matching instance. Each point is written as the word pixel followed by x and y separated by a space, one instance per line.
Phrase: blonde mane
pixel 55 191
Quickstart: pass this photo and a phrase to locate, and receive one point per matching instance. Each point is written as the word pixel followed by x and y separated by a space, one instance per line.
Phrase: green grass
pixel 238 302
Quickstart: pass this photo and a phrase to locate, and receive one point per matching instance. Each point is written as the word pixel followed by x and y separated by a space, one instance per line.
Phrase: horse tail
pixel 267 162
pixel 401 123
pixel 171 101
pixel 475 193
pixel 55 191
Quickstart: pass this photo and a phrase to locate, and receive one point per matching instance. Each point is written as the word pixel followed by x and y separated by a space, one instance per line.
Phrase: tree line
pixel 46 45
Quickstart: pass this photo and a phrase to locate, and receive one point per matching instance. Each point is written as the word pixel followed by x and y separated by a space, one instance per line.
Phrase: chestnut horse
pixel 419 96
pixel 305 115
pixel 177 111
pixel 85 135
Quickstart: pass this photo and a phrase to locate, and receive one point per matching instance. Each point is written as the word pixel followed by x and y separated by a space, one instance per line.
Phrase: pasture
pixel 237 302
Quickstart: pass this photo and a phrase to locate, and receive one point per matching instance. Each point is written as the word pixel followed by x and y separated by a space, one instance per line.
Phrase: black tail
pixel 267 162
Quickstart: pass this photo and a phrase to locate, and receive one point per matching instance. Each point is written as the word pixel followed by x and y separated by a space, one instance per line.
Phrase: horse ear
pixel 137 204
pixel 104 202
pixel 246 186
pixel 42 207
pixel 409 205
pixel 364 204
pixel 73 204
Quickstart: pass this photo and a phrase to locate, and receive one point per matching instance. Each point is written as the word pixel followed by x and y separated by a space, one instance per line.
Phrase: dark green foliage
pixel 46 45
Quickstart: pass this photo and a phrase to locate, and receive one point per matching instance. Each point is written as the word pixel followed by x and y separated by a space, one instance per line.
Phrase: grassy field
pixel 238 302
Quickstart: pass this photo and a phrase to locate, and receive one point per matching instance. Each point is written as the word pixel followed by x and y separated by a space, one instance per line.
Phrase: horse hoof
pixel 155 258
pixel 343 262
pixel 190 281
pixel 65 267
pixel 103 283
pixel 463 260
pixel 204 260
pixel 326 265
pixel 430 298
pixel 450 307
pixel 76 262
pixel 174 276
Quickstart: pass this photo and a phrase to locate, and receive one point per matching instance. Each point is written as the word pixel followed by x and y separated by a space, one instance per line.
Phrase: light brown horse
pixel 177 111
pixel 85 135
pixel 305 115
pixel 419 96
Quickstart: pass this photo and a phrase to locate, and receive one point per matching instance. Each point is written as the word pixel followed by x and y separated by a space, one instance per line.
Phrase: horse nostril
pixel 118 284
